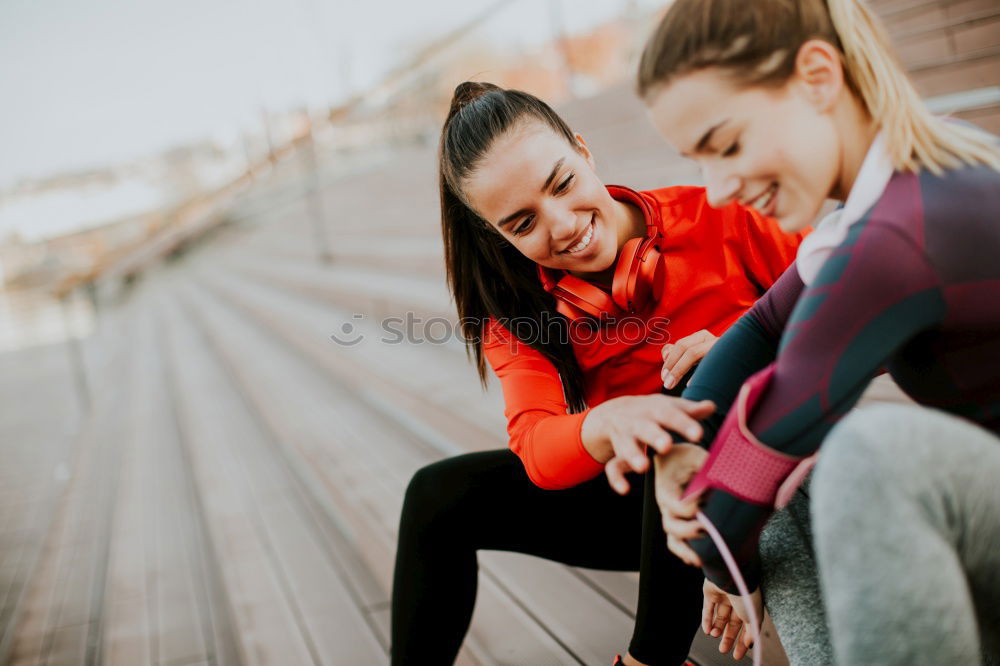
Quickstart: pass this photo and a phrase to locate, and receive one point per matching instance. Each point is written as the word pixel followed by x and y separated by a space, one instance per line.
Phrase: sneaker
pixel 618 661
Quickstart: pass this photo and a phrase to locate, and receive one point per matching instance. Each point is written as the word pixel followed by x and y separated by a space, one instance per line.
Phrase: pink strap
pixel 738 462
pixel 794 480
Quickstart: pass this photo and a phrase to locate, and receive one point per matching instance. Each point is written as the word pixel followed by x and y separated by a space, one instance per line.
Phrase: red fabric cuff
pixel 554 455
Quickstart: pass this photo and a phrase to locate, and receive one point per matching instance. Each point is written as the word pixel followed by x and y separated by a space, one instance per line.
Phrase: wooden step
pixel 40 412
pixel 903 16
pixel 984 17
pixel 376 293
pixel 947 46
pixel 341 489
pixel 425 377
pixel 941 79
pixel 593 642
pixel 162 603
pixel 987 118
pixel 287 592
pixel 48 430
pixel 59 619
pixel 407 255
pixel 950 48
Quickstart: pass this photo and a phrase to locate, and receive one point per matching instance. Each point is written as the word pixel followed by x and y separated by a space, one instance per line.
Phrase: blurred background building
pixel 224 333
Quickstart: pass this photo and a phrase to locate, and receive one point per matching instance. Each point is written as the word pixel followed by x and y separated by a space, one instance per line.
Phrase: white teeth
pixel 584 242
pixel 764 199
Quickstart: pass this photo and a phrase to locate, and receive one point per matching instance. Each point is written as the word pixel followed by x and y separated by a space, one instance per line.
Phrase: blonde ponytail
pixel 914 137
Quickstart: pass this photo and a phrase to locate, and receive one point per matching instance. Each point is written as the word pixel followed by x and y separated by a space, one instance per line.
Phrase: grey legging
pixel 905 527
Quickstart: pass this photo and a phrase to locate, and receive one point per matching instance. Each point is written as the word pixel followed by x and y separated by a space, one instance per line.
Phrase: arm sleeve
pixel 874 293
pixel 748 346
pixel 542 434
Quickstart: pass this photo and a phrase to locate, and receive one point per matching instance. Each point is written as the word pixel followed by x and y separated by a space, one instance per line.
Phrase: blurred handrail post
pixel 266 121
pixel 248 153
pixel 314 189
pixel 77 366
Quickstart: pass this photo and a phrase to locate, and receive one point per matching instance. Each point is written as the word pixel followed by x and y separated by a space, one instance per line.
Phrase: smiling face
pixel 775 149
pixel 542 194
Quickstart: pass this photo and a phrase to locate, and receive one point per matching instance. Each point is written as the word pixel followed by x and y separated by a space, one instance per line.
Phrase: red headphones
pixel 639 273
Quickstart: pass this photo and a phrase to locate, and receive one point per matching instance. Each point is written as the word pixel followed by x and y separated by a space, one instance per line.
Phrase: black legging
pixel 485 501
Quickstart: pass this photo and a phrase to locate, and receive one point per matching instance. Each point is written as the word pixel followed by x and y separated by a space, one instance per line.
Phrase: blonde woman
pixel 785 104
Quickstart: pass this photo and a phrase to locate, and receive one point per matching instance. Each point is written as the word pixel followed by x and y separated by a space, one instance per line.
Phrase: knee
pixel 434 493
pixel 856 454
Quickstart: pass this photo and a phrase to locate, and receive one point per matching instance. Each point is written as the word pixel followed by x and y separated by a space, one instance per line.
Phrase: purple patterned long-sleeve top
pixel 913 288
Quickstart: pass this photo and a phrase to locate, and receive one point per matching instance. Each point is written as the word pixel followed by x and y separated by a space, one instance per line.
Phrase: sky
pixel 95 83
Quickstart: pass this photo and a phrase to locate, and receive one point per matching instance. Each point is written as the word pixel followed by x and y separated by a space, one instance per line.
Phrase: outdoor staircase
pixel 231 493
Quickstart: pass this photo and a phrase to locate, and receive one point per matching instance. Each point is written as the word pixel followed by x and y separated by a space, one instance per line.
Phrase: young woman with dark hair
pixel 784 104
pixel 586 301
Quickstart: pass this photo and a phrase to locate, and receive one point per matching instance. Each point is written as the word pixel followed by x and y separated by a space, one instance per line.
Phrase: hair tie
pixel 469 91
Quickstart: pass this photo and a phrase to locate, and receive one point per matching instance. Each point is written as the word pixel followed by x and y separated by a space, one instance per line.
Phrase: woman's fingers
pixel 723 618
pixel 629 441
pixel 681 415
pixel 740 609
pixel 713 598
pixel 680 421
pixel 668 490
pixel 699 410
pixel 708 609
pixel 652 434
pixel 718 619
pixel 673 471
pixel 681 509
pixel 688 359
pixel 743 644
pixel 683 551
pixel 747 641
pixel 627 448
pixel 691 348
pixel 629 425
pixel 680 528
pixel 730 633
pixel 615 470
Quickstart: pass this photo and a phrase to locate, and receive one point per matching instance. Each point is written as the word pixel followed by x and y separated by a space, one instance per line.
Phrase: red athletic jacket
pixel 719 262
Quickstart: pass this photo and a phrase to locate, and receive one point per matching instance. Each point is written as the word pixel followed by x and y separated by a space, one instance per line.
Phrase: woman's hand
pixel 679 357
pixel 619 430
pixel 725 615
pixel 674 469
pixel 739 607
pixel 717 616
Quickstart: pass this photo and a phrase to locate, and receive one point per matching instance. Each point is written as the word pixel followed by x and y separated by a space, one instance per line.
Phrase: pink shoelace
pixel 741 585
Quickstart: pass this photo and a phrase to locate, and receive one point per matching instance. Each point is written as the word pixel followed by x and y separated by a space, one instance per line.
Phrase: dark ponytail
pixel 488 277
